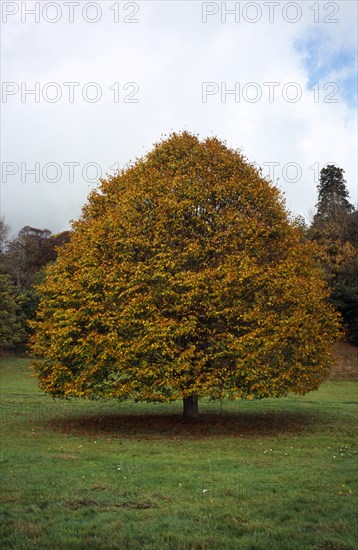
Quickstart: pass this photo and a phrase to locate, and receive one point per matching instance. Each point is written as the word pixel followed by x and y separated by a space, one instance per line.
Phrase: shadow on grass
pixel 165 426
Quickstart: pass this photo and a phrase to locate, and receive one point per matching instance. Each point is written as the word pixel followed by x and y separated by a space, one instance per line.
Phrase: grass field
pixel 273 474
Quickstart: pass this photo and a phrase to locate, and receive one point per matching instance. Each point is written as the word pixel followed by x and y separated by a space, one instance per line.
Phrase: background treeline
pixel 23 264
pixel 334 228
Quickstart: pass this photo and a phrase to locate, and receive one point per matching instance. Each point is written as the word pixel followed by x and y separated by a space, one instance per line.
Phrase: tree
pixel 57 240
pixel 12 331
pixel 345 295
pixel 31 250
pixel 27 253
pixel 335 229
pixel 352 228
pixel 24 258
pixel 4 234
pixel 333 203
pixel 184 278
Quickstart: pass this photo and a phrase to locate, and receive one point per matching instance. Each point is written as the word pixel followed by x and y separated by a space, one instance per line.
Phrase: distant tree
pixel 183 279
pixel 335 229
pixel 12 331
pixel 352 228
pixel 24 259
pixel 333 203
pixel 300 223
pixel 4 234
pixel 345 295
pixel 29 252
pixel 14 263
pixel 57 240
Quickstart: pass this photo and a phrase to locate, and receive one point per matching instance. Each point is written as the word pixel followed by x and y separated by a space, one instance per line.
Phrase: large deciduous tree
pixel 184 278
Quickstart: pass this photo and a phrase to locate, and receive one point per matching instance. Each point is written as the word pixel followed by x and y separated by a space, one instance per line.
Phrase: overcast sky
pixel 109 79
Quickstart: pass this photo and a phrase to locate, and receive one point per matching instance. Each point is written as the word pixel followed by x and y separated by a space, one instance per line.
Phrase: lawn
pixel 272 474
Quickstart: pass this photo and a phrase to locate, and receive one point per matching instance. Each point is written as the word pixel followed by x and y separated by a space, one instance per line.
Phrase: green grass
pixel 273 474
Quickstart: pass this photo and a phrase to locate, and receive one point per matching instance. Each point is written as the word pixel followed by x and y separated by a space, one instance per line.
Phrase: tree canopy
pixel 22 264
pixel 185 277
pixel 332 194
pixel 335 229
pixel 12 322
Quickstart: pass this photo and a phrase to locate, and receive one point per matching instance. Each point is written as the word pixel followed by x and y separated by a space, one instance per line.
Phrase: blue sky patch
pixel 324 66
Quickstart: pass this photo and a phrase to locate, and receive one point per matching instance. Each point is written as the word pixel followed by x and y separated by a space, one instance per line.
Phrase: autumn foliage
pixel 184 278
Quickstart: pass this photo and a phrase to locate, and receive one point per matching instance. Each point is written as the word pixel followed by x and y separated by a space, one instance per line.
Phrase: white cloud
pixel 169 54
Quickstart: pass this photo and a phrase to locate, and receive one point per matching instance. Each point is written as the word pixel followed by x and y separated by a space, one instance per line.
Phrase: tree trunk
pixel 191 410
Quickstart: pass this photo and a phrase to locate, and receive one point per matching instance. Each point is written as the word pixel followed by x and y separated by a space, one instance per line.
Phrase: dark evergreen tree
pixel 333 195
pixel 335 228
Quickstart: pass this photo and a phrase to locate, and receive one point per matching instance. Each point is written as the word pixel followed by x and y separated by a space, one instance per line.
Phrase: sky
pixel 88 87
